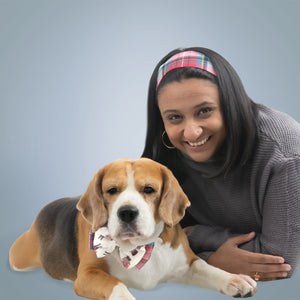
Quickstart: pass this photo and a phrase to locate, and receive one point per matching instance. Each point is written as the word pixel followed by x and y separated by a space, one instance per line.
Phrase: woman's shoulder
pixel 280 130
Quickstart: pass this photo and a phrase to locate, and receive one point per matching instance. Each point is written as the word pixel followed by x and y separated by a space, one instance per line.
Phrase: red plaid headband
pixel 185 59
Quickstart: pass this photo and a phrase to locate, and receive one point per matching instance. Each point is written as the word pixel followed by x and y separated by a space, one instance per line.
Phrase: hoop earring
pixel 167 146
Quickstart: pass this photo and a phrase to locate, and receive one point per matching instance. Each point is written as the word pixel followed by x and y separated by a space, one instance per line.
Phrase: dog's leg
pixel 93 279
pixel 94 283
pixel 24 255
pixel 206 276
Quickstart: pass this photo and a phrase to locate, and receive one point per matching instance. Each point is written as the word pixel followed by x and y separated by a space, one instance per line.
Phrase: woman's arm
pixel 228 256
pixel 233 259
pixel 279 239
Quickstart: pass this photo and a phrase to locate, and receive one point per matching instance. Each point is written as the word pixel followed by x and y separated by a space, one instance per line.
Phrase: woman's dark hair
pixel 239 114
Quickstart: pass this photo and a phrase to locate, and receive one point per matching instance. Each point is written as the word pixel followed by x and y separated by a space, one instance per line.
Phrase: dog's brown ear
pixel 91 204
pixel 173 200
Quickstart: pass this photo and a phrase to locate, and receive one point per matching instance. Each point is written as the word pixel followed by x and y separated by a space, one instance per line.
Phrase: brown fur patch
pixel 25 252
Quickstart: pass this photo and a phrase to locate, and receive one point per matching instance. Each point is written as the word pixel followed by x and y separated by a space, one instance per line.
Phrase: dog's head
pixel 135 199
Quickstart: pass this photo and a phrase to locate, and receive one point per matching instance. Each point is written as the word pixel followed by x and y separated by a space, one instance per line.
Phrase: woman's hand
pixel 231 258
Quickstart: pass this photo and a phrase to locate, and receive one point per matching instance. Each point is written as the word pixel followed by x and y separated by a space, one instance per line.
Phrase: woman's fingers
pixel 270 276
pixel 271 268
pixel 268 267
pixel 258 258
pixel 270 271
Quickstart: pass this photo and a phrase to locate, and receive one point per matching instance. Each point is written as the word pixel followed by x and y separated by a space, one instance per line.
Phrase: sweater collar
pixel 205 168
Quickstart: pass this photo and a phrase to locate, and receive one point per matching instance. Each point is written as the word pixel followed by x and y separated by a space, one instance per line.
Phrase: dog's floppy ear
pixel 173 200
pixel 91 204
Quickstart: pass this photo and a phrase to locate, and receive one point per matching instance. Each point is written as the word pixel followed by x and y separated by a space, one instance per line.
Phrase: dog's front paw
pixel 121 292
pixel 240 286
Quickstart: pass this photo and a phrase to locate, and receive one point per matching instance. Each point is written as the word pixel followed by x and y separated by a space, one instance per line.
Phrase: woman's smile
pixel 198 144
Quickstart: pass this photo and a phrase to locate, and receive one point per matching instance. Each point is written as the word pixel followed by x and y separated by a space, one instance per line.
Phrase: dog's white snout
pixel 128 214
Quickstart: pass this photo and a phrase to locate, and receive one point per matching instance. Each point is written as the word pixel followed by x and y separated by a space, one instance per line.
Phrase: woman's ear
pixel 91 204
pixel 173 201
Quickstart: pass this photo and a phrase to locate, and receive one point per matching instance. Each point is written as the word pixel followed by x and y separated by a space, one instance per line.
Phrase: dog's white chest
pixel 165 264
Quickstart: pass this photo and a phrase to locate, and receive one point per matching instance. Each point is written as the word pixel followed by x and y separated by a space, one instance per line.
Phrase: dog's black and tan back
pixel 56 226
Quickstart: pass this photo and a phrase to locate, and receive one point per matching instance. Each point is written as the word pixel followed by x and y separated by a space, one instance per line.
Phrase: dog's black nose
pixel 127 213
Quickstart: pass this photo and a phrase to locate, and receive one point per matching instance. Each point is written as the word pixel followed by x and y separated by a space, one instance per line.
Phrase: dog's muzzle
pixel 128 214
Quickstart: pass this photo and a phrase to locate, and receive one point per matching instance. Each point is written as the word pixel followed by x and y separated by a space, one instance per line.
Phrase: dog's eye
pixel 112 191
pixel 148 190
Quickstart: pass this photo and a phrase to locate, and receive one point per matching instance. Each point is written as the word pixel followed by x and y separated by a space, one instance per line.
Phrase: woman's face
pixel 192 117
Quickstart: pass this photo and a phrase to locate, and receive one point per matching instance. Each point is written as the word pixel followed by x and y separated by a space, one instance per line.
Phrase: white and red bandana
pixel 103 244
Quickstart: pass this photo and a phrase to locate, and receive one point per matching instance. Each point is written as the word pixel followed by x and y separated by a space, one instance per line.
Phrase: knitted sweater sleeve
pixel 280 234
pixel 279 202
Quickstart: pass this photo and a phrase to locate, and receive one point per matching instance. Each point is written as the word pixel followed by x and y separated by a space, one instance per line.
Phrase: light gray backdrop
pixel 73 85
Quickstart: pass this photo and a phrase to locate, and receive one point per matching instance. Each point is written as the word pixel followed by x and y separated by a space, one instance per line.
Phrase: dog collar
pixel 103 244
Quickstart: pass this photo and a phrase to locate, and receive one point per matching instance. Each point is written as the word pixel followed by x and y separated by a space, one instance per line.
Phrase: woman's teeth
pixel 199 143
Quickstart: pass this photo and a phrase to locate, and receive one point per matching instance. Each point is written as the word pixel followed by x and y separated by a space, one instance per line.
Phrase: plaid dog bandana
pixel 185 59
pixel 102 243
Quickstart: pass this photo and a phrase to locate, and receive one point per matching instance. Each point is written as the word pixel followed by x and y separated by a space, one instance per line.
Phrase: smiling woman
pixel 237 161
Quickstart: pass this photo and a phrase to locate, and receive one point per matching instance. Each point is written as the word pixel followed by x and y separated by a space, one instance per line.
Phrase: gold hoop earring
pixel 162 138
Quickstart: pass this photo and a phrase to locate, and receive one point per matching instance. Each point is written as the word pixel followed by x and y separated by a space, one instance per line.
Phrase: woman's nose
pixel 192 131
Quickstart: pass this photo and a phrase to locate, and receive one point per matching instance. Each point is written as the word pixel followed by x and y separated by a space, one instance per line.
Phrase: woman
pixel 237 161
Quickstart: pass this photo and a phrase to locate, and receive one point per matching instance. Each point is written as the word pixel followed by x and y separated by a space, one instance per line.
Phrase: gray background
pixel 73 86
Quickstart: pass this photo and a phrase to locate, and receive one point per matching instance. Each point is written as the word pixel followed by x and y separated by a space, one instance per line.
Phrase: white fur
pixel 120 292
pixel 166 264
pixel 32 268
pixel 206 276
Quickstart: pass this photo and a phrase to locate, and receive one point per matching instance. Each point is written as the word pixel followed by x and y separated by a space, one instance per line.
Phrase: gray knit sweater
pixel 263 196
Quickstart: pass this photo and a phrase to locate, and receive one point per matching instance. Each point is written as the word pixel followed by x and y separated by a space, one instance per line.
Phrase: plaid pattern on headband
pixel 185 59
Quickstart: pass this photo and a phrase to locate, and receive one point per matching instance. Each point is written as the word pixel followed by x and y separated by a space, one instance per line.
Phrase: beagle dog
pixel 122 233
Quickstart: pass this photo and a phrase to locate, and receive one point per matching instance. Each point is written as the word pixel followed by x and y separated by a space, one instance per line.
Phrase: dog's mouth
pixel 128 232
pixel 128 235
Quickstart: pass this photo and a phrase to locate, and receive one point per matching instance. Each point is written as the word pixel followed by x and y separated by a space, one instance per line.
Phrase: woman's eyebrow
pixel 204 104
pixel 168 111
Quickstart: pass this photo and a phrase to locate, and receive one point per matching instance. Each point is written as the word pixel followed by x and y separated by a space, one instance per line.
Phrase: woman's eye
pixel 148 190
pixel 205 111
pixel 112 191
pixel 174 117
